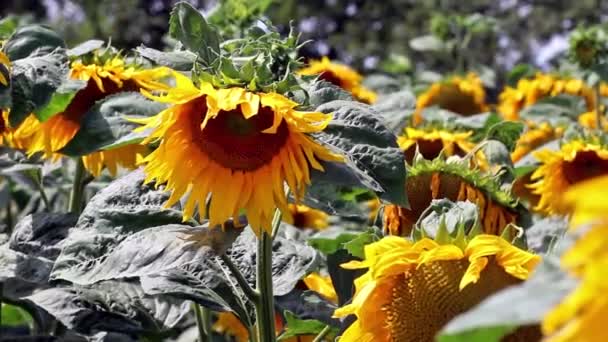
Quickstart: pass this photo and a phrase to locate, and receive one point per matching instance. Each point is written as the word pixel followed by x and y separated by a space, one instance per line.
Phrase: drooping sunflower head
pixel 429 180
pixel 431 142
pixel 302 216
pixel 529 91
pixel 341 75
pixel 233 148
pixel 20 137
pixel 462 95
pixel 412 289
pixel 104 75
pixel 581 314
pixel 534 137
pixel 576 161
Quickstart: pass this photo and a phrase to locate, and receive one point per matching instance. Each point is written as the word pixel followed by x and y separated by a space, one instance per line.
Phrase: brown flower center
pixel 451 98
pixel 425 299
pixel 586 165
pixel 237 143
pixel 430 149
pixel 331 78
pixel 86 97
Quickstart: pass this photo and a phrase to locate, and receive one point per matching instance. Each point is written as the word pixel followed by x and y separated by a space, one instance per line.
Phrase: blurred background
pixel 393 36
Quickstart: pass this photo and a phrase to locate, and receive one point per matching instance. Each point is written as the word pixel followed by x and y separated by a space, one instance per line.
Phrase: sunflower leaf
pixel 105 124
pixel 32 40
pixel 190 27
pixel 60 99
pixel 522 305
pixel 507 132
pixel 396 109
pixel 177 60
pixel 373 159
pixel 85 47
pixel 34 81
pixel 296 326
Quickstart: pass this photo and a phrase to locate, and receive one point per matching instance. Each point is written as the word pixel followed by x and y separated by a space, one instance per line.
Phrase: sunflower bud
pixel 588 46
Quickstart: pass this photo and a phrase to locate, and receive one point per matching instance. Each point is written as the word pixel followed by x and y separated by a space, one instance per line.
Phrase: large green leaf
pixel 177 60
pixel 507 132
pixel 296 326
pixel 34 81
pixel 32 39
pixel 60 99
pixel 373 159
pixel 190 27
pixel 521 305
pixel 396 109
pixel 105 123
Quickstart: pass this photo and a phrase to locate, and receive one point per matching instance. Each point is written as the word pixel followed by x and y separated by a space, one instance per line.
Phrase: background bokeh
pixel 370 35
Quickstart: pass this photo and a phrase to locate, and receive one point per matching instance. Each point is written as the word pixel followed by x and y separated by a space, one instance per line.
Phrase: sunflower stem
pixel 249 292
pixel 77 188
pixel 598 111
pixel 200 322
pixel 264 306
pixel 322 334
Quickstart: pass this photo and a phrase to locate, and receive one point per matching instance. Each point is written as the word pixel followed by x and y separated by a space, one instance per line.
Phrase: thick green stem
pixel 207 322
pixel 598 110
pixel 264 306
pixel 200 322
pixel 77 188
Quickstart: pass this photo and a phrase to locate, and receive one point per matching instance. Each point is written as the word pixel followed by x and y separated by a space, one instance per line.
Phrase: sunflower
pixel 576 161
pixel 430 142
pixel 428 180
pixel 322 285
pixel 20 137
pixel 412 289
pixel 341 75
pixel 5 67
pixel 236 145
pixel 302 216
pixel 534 137
pixel 103 79
pixel 529 91
pixel 589 119
pixel 462 95
pixel 581 315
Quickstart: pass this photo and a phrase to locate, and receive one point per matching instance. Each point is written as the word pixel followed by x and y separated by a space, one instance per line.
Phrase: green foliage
pixel 296 327
pixel 14 316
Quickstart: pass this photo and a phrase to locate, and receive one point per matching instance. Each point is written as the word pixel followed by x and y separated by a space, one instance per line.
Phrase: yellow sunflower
pixel 431 142
pixel 456 183
pixel 5 67
pixel 236 145
pixel 302 216
pixel 20 137
pixel 105 79
pixel 581 315
pixel 341 75
pixel 589 119
pixel 529 91
pixel 322 285
pixel 412 289
pixel 576 161
pixel 534 137
pixel 462 95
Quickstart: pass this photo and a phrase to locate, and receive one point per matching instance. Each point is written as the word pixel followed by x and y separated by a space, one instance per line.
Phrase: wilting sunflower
pixel 412 289
pixel 302 216
pixel 429 180
pixel 529 91
pixel 341 75
pixel 576 161
pixel 103 79
pixel 430 142
pixel 534 137
pixel 581 315
pixel 239 146
pixel 462 95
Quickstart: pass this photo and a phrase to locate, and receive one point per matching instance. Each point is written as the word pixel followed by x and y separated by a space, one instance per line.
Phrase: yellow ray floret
pixel 410 290
pixel 534 137
pixel 20 137
pixel 576 161
pixel 237 147
pixel 342 76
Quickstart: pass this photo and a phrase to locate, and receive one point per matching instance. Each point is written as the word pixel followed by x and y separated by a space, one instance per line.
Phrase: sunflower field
pixel 223 184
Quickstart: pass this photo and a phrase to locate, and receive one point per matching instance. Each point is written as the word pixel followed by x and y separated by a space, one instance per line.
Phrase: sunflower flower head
pixel 589 119
pixel 432 141
pixel 303 216
pixel 234 148
pixel 462 95
pixel 412 289
pixel 104 75
pixel 434 179
pixel 581 314
pixel 530 90
pixel 20 137
pixel 534 137
pixel 576 160
pixel 341 75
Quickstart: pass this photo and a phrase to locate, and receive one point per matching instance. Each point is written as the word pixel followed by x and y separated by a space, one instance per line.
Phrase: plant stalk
pixel 77 188
pixel 598 111
pixel 250 293
pixel 264 306
pixel 322 334
pixel 200 322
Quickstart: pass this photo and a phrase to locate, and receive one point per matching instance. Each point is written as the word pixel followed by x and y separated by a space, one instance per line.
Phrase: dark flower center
pixel 331 78
pixel 451 98
pixel 586 165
